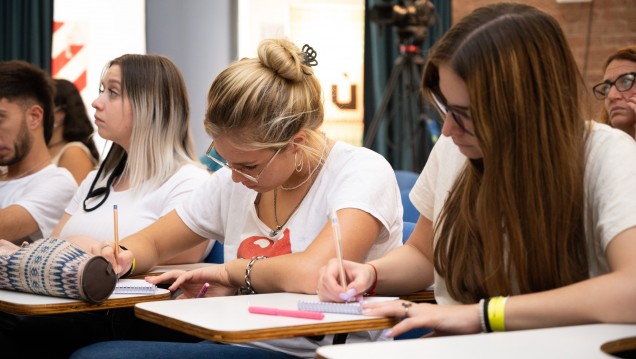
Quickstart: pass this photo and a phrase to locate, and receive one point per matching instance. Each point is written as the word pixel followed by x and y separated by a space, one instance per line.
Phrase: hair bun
pixel 284 58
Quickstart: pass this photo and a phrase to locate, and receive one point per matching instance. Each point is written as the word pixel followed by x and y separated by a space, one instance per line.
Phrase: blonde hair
pixel 265 101
pixel 161 141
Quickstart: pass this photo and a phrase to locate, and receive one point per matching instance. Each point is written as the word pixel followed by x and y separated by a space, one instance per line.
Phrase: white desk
pixel 226 319
pixel 582 341
pixel 27 303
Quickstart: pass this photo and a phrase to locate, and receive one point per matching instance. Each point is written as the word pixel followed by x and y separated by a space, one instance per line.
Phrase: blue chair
pixel 411 214
pixel 216 254
pixel 407 229
pixel 417 332
pixel 406 179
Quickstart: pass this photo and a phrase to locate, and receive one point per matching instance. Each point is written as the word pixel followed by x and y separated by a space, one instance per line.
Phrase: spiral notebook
pixel 338 308
pixel 134 286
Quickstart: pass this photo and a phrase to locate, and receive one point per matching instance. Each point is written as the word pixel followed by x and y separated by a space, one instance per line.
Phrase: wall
pixel 594 29
pixel 200 37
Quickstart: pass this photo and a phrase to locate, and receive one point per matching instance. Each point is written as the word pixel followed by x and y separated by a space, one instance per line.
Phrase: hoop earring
pixel 297 164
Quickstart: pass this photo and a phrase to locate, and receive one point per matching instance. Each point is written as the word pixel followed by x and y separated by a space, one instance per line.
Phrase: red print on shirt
pixel 263 246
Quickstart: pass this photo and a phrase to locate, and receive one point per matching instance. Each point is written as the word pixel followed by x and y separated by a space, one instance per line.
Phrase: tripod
pixel 406 72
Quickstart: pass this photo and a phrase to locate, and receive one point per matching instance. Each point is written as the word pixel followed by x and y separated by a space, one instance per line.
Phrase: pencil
pixel 335 226
pixel 116 225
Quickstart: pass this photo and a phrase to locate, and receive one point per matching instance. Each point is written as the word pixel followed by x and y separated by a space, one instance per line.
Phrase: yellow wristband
pixel 496 311
pixel 132 267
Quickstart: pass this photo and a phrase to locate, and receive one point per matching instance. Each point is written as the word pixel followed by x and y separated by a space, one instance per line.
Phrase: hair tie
pixel 310 57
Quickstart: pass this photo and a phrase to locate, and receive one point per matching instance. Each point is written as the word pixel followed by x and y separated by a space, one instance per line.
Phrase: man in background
pixel 33 192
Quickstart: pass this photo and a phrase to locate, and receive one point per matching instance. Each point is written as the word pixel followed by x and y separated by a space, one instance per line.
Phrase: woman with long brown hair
pixel 527 219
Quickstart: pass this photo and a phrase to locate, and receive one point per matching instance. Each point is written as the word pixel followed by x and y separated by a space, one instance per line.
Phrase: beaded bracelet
pixel 371 290
pixel 248 289
pixel 483 315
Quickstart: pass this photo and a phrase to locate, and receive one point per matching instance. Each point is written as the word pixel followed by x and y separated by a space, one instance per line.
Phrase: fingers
pixel 329 288
pixel 106 250
pixel 167 277
pixel 397 308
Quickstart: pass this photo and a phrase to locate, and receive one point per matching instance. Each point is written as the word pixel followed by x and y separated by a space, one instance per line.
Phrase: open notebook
pixel 134 286
pixel 338 308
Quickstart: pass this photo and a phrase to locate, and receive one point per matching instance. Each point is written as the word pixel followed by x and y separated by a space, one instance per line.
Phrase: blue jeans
pixel 160 350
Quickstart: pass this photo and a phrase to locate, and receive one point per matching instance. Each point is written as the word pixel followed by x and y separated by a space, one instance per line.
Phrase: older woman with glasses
pixel 269 203
pixel 618 92
pixel 527 210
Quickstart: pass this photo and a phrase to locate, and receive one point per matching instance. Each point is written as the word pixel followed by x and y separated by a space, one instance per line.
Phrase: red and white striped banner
pixel 70 60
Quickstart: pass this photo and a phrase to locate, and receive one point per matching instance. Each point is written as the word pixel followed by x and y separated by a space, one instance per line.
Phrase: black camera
pixel 412 18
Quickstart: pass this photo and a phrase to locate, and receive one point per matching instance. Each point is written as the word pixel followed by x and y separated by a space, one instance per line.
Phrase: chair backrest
pixel 406 179
pixel 410 214
pixel 216 254
pixel 416 332
pixel 407 229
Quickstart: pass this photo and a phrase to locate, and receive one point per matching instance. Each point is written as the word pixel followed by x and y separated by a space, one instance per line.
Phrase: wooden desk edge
pixel 79 306
pixel 419 297
pixel 269 333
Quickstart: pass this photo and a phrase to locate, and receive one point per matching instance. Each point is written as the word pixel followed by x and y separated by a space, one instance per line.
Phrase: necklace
pixel 311 173
pixel 25 173
pixel 280 226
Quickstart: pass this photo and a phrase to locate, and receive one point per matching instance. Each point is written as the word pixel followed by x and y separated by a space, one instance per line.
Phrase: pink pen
pixel 286 313
pixel 203 290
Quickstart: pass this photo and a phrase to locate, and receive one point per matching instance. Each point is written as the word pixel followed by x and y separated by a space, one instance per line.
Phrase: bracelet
pixel 132 266
pixel 248 289
pixel 371 290
pixel 483 303
pixel 496 311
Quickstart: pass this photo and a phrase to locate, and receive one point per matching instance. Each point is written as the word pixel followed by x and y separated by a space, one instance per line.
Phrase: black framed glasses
pixel 224 163
pixel 622 83
pixel 458 116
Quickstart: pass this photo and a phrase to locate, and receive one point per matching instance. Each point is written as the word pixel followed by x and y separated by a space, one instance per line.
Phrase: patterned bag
pixel 57 268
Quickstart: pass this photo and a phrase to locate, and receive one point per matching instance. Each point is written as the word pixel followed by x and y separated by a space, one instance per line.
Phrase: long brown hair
pixel 513 221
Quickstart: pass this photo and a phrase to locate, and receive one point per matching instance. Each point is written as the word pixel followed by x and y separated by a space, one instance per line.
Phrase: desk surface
pixel 583 341
pixel 30 304
pixel 226 319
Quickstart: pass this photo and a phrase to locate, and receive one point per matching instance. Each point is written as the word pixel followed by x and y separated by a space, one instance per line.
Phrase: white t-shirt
pixel 610 199
pixel 135 212
pixel 43 194
pixel 352 177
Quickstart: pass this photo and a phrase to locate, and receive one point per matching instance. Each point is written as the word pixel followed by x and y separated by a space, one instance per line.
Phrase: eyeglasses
pixel 623 83
pixel 457 115
pixel 224 163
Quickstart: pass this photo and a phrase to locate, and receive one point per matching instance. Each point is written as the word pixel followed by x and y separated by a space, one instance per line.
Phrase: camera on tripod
pixel 412 18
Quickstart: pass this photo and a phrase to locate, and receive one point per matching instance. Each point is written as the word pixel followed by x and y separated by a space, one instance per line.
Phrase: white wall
pixel 200 37
pixel 105 29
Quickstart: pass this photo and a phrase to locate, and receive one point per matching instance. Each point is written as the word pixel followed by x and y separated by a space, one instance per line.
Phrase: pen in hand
pixel 116 232
pixel 335 226
pixel 204 289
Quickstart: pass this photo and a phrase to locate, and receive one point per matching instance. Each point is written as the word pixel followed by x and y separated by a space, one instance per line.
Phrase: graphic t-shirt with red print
pixel 263 246
pixel 352 177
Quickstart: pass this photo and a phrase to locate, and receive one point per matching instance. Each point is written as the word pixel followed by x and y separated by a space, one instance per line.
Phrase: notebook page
pixel 338 308
pixel 134 286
